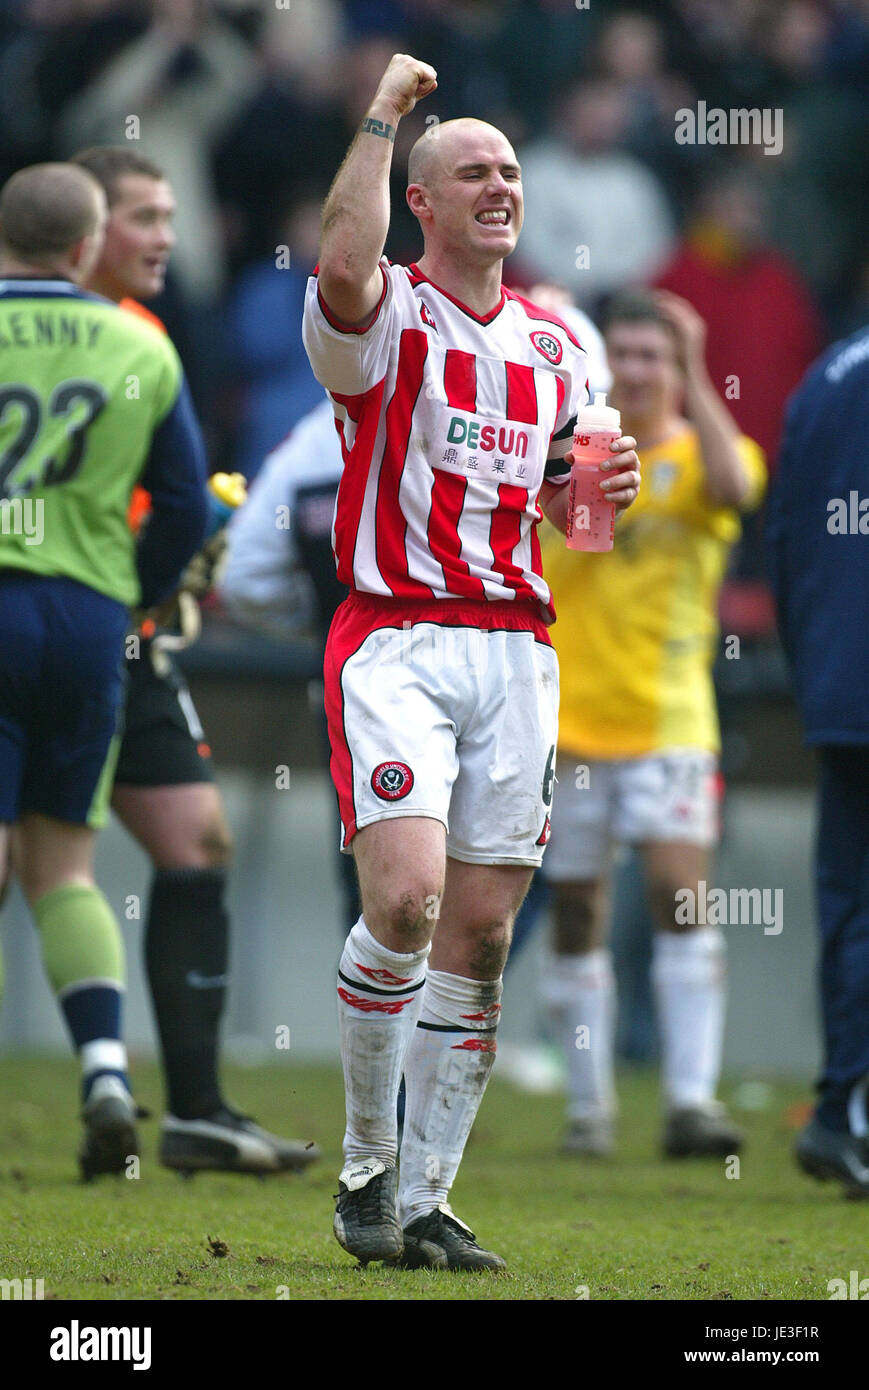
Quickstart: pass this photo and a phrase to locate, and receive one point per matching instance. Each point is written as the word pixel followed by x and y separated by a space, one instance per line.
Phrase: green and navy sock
pixel 84 960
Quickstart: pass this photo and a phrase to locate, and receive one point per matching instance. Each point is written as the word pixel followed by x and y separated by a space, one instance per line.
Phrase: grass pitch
pixel 633 1227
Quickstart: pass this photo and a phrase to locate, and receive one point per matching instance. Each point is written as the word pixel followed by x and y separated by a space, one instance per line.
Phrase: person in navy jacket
pixel 818 534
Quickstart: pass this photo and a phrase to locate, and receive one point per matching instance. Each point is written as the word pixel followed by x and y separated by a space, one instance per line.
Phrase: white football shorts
pixel 447 710
pixel 670 796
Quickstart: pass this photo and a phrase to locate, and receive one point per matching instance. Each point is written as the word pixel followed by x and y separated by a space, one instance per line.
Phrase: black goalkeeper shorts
pixel 164 744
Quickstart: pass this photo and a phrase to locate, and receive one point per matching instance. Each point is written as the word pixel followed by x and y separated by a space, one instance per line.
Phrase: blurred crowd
pixel 249 108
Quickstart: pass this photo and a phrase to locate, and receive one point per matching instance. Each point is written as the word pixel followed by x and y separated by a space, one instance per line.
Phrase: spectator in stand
pixel 853 311
pixel 818 186
pixel 303 38
pixel 49 50
pixel 596 217
pixel 264 352
pixel 716 43
pixel 295 126
pixel 739 285
pixel 633 51
pixel 485 45
pixel 183 80
pixel 847 52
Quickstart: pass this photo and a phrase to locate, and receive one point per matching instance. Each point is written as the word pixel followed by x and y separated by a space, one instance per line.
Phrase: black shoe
pixel 110 1138
pixel 227 1142
pixel 701 1131
pixel 440 1240
pixel 827 1153
pixel 365 1222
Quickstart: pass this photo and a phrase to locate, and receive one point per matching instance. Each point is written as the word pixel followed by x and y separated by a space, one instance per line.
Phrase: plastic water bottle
pixel 591 518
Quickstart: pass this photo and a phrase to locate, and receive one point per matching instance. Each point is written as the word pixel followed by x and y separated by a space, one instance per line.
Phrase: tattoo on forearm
pixel 371 126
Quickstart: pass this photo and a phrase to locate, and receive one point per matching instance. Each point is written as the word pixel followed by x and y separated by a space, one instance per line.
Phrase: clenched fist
pixel 405 82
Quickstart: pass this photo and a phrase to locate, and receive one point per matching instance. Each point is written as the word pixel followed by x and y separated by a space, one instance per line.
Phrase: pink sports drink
pixel 590 517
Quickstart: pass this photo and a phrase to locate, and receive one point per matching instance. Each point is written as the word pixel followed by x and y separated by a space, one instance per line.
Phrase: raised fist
pixel 405 82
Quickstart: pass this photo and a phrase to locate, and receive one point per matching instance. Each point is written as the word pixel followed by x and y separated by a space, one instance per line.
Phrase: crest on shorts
pixel 545 833
pixel 548 346
pixel 391 781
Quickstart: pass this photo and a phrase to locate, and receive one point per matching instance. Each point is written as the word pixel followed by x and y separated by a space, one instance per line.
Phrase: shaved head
pixel 465 190
pixel 440 145
pixel 48 208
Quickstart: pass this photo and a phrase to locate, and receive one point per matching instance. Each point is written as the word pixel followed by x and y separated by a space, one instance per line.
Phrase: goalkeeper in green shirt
pixel 92 401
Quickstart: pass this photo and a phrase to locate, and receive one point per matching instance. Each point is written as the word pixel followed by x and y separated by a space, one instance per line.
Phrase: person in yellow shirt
pixel 638 736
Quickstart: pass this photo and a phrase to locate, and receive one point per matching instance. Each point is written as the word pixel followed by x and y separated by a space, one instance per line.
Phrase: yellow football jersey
pixel 637 626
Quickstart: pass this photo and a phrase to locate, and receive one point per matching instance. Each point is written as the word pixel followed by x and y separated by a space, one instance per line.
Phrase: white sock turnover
pixel 689 976
pixel 446 1071
pixel 379 994
pixel 580 992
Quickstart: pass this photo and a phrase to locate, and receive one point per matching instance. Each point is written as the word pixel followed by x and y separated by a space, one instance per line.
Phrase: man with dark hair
pixel 110 163
pixel 164 790
pixel 73 442
pixel 638 730
pixel 139 234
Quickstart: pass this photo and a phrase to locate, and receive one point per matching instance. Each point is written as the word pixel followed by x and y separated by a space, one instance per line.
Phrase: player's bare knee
pixel 215 843
pixel 663 901
pixel 488 954
pixel 408 917
pixel 579 926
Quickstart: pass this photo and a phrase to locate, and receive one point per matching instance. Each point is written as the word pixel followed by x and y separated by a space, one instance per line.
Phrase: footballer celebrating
pixel 454 400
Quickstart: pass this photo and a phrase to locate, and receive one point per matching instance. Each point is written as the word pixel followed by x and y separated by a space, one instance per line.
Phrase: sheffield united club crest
pixel 548 346
pixel 391 781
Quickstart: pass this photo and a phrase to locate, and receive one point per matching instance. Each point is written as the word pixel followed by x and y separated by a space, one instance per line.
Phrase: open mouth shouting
pixel 494 217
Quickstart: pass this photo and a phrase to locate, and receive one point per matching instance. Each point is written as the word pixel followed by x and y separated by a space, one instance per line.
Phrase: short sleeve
pixel 754 462
pixel 344 359
pixel 723 518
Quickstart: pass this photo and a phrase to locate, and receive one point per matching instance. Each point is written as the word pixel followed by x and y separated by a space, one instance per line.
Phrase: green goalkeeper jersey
pixel 92 400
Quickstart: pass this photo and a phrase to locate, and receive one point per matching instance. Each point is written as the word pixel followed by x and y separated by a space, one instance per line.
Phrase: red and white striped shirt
pixel 448 422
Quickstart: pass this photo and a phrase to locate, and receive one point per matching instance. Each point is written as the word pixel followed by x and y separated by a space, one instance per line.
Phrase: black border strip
pixel 389 993
pixel 453 1028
